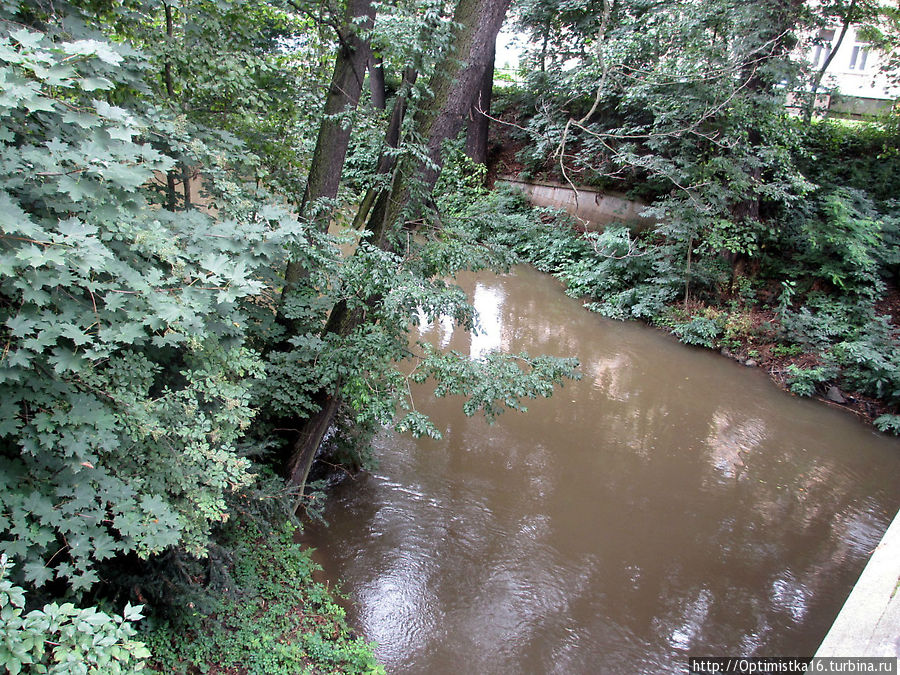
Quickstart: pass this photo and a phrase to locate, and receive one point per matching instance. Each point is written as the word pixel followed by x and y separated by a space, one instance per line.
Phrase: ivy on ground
pixel 274 618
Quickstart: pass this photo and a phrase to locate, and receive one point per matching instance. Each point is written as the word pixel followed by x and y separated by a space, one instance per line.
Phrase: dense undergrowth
pixel 268 616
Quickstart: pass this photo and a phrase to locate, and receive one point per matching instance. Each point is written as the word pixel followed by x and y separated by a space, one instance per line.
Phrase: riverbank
pixel 840 348
pixel 269 615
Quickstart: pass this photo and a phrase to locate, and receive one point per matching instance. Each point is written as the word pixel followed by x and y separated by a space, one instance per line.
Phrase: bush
pixel 871 361
pixel 804 381
pixel 65 639
pixel 272 618
pixel 889 424
pixel 699 331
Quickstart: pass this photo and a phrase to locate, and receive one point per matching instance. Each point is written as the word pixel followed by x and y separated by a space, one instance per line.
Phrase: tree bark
pixel 376 82
pixel 388 160
pixel 171 195
pixel 454 85
pixel 334 133
pixel 478 124
pixel 186 175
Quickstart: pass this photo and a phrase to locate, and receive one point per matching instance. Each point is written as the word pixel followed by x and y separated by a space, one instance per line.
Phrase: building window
pixel 858 58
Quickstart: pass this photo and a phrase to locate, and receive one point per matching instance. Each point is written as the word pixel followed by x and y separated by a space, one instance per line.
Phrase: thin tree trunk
pixel 544 43
pixel 388 160
pixel 186 185
pixel 478 124
pixel 376 82
pixel 171 194
pixel 817 82
pixel 343 97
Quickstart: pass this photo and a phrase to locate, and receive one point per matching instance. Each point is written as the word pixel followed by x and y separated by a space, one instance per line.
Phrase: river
pixel 671 503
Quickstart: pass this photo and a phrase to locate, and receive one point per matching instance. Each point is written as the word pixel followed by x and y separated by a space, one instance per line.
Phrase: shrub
pixel 889 424
pixel 272 618
pixel 65 639
pixel 804 381
pixel 871 361
pixel 699 331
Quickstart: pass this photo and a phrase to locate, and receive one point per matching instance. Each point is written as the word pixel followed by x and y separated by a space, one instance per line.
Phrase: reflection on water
pixel 670 503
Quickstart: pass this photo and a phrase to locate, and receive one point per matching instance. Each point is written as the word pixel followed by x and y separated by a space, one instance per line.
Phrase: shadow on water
pixel 670 503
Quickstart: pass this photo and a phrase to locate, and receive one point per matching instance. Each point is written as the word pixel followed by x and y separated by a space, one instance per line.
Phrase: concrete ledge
pixel 869 622
pixel 594 208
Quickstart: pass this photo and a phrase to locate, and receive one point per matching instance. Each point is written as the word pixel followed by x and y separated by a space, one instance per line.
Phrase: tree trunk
pixel 454 85
pixel 168 80
pixel 312 430
pixel 817 81
pixel 334 133
pixel 302 455
pixel 388 160
pixel 186 185
pixel 544 42
pixel 376 82
pixel 478 124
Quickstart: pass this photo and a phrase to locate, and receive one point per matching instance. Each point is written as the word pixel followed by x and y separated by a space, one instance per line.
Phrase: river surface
pixel 671 503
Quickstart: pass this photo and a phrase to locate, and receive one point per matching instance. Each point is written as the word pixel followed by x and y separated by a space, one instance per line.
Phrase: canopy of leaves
pixel 126 371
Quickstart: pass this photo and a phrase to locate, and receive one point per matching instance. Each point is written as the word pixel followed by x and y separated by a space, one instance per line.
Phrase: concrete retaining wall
pixel 869 622
pixel 593 208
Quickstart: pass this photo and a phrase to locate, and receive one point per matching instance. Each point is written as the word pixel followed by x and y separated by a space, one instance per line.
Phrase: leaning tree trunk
pixel 388 159
pixel 454 86
pixel 478 124
pixel 334 134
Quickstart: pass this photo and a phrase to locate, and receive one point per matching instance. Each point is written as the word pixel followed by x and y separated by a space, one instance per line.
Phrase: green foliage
pixel 126 371
pixel 65 639
pixel 839 240
pixel 889 424
pixel 461 181
pixel 805 381
pixel 272 619
pixel 863 157
pixel 870 361
pixel 888 254
pixel 787 350
pixel 823 320
pixel 700 330
pixel 490 384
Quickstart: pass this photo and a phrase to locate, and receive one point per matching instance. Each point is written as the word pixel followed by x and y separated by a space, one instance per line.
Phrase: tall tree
pixel 333 139
pixel 453 87
pixel 478 124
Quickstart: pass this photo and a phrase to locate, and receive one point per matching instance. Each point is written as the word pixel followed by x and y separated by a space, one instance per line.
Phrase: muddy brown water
pixel 671 503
